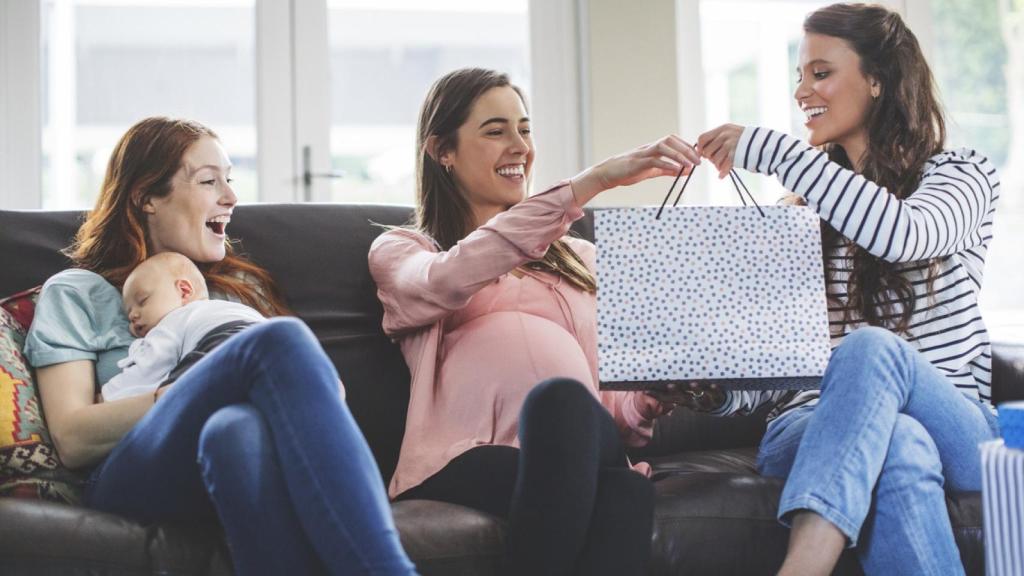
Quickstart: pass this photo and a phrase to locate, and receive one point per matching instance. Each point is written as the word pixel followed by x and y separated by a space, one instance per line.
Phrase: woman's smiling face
pixel 192 219
pixel 493 157
pixel 833 92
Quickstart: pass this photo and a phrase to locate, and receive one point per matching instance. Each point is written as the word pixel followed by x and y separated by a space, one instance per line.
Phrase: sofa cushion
pixel 447 539
pixel 1007 371
pixel 43 538
pixel 29 465
pixel 707 500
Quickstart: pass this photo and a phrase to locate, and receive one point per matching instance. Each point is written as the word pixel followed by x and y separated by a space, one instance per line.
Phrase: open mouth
pixel 512 171
pixel 814 112
pixel 218 225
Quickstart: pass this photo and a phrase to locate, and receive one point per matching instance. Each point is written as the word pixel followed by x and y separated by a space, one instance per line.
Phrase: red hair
pixel 113 239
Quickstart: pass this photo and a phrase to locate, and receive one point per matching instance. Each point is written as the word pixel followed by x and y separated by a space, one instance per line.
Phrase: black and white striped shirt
pixel 948 218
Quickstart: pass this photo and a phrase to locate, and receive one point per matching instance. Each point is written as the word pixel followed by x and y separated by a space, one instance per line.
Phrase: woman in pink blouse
pixel 487 298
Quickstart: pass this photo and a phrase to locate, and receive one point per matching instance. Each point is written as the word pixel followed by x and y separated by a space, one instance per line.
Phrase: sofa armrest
pixel 1007 371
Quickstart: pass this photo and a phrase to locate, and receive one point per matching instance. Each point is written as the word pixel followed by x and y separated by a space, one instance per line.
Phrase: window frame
pixel 292 96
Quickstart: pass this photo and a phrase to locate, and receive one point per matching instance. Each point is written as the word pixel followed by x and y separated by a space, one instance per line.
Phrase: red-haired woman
pixel 906 225
pixel 258 427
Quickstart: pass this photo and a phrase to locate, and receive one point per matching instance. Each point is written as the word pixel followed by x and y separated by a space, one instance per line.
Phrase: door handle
pixel 308 174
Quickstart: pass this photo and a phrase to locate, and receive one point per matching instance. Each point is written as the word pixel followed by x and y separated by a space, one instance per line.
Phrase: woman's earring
pixel 448 169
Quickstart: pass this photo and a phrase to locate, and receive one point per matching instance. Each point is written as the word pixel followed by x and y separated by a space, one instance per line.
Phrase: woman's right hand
pixel 662 157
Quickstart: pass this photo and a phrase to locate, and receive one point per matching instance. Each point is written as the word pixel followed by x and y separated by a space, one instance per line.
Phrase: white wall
pixel 633 89
pixel 20 147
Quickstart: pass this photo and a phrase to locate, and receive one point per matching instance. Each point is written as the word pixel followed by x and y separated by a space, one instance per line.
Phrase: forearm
pixel 941 217
pixel 91 432
pixel 418 284
pixel 587 185
pixel 635 428
pixel 745 402
pixel 82 430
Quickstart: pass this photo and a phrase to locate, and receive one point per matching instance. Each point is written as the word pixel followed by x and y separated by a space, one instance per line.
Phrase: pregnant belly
pixel 491 363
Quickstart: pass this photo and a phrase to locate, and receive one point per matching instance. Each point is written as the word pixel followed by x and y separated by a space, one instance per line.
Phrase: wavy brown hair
pixel 905 128
pixel 442 212
pixel 113 240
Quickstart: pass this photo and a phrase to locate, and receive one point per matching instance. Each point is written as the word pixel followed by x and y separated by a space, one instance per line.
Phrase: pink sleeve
pixel 634 428
pixel 418 285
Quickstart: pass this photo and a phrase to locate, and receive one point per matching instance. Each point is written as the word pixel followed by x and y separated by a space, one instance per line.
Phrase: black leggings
pixel 573 504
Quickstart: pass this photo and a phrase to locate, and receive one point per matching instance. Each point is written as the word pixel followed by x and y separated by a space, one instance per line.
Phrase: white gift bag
pixel 729 295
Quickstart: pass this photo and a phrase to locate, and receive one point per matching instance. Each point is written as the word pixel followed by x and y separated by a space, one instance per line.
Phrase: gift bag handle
pixel 736 182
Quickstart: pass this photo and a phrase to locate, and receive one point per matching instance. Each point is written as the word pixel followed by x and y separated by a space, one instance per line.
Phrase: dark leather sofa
pixel 714 514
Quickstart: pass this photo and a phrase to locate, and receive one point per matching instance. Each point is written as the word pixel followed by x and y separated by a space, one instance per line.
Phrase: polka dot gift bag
pixel 727 295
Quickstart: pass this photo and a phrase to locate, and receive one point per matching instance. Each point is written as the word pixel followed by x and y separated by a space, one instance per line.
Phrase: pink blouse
pixel 477 338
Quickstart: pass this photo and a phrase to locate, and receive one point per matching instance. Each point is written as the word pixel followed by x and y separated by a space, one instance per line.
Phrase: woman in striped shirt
pixel 906 398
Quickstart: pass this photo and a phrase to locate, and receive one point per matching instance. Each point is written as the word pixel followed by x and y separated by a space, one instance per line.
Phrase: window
pixel 291 78
pixel 751 82
pixel 977 55
pixel 384 55
pixel 108 63
pixel 976 51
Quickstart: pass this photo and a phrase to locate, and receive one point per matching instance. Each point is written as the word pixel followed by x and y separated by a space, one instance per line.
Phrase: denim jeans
pixel 258 428
pixel 889 433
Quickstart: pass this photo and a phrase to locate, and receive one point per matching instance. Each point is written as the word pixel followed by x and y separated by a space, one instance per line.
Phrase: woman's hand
pixel 696 397
pixel 662 157
pixel 649 407
pixel 719 146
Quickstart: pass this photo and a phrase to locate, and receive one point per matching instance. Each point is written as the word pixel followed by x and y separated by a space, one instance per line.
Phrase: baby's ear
pixel 185 289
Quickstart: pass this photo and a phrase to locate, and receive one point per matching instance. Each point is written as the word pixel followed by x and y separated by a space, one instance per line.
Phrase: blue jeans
pixel 259 429
pixel 889 433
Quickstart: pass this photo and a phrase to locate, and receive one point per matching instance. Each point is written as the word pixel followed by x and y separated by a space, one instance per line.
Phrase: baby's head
pixel 162 283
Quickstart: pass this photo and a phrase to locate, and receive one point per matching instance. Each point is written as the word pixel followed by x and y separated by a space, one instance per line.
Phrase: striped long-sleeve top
pixel 948 218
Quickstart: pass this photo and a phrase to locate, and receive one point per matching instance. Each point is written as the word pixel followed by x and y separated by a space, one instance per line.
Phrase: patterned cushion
pixel 29 466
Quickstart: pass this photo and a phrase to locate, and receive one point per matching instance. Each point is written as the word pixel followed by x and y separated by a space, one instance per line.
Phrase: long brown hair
pixel 113 239
pixel 442 212
pixel 905 128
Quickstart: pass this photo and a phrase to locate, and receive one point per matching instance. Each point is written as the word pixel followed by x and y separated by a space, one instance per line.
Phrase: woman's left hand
pixel 719 146
pixel 696 396
pixel 650 407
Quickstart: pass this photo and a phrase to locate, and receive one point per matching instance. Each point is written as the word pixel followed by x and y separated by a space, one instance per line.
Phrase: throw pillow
pixel 29 466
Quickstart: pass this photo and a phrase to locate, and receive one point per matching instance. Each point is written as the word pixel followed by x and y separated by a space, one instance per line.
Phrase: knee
pixel 556 397
pixel 869 342
pixel 868 346
pixel 286 340
pixel 912 455
pixel 281 334
pixel 236 431
pixel 555 401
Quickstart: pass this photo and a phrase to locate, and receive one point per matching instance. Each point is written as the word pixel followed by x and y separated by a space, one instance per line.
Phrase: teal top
pixel 79 316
